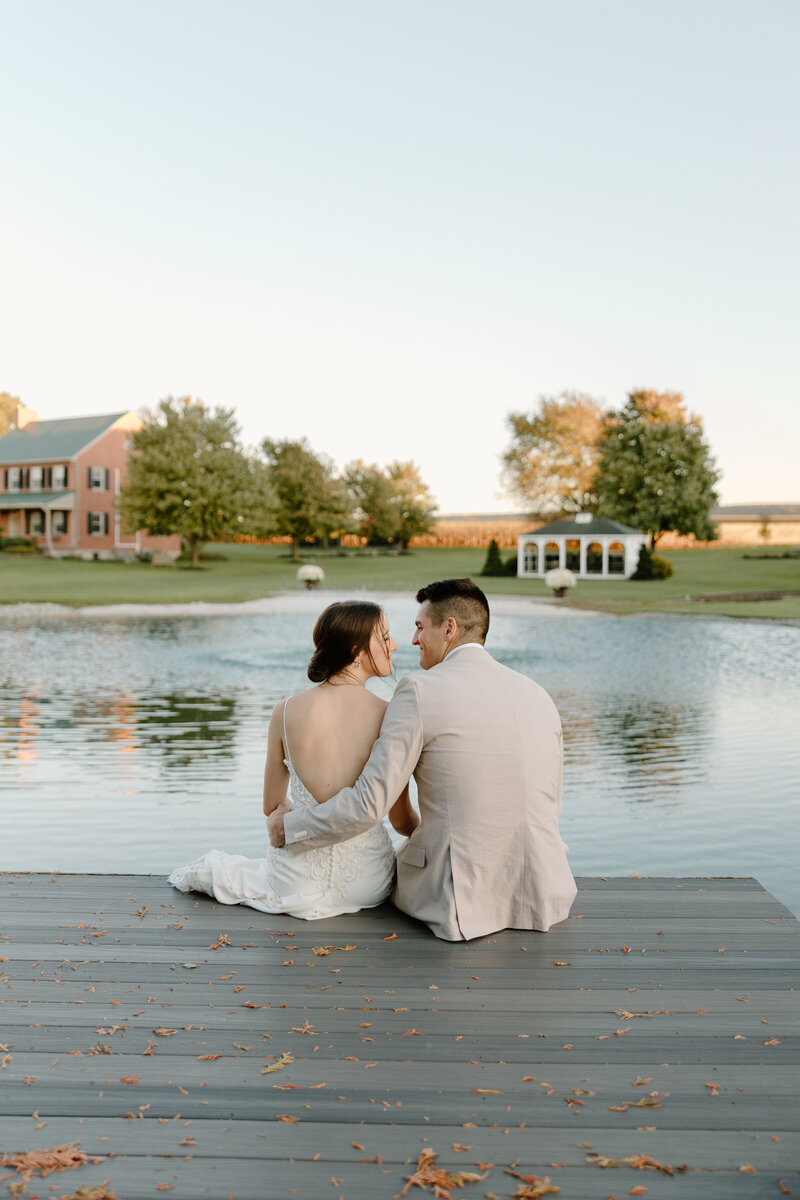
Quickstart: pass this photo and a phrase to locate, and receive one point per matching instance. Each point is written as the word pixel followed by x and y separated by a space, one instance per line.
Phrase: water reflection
pixel 138 743
pixel 183 728
pixel 660 744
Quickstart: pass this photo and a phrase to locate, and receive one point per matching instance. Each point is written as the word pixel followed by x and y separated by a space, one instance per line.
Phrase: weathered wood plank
pixel 268 1142
pixel 236 1179
pixel 454 1029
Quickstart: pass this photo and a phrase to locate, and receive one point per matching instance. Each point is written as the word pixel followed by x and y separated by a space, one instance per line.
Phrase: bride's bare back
pixel 330 731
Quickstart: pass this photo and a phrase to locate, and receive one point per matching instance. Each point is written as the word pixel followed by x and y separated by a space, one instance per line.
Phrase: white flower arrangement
pixel 311 575
pixel 559 579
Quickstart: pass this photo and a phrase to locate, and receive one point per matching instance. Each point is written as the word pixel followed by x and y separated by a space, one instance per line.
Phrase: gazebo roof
pixel 589 524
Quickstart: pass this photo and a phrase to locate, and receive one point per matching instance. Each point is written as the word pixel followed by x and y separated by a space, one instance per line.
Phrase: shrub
pixel 511 565
pixel 644 567
pixel 494 563
pixel 18 545
pixel 652 566
pixel 662 567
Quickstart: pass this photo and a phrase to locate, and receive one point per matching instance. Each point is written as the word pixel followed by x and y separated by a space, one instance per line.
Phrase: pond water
pixel 135 742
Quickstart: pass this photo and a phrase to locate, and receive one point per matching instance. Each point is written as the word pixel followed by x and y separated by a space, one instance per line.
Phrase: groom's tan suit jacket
pixel 484 745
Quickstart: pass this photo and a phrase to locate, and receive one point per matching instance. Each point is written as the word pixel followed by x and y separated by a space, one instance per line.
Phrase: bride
pixel 318 743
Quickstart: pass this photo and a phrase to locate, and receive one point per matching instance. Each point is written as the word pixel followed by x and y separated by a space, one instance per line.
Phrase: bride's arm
pixel 276 776
pixel 402 816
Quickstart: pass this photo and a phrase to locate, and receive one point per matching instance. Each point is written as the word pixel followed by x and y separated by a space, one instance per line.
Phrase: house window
pixel 37 479
pixel 530 558
pixel 594 559
pixel 16 479
pixel 616 559
pixel 60 476
pixel 98 479
pixel 36 521
pixel 552 556
pixel 60 523
pixel 573 555
pixel 98 522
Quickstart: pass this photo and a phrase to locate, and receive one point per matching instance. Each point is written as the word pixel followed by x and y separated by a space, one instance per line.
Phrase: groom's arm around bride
pixel 484 744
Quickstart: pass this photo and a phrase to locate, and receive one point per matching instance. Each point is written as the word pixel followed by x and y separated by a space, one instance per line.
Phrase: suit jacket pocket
pixel 413 854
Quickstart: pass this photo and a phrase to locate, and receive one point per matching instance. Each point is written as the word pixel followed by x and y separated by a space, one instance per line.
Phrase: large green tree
pixel 187 474
pixel 413 504
pixel 372 502
pixel 310 501
pixel 550 465
pixel 655 469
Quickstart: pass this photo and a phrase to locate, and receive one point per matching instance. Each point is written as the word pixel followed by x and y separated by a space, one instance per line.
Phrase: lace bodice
pixel 336 867
pixel 311 883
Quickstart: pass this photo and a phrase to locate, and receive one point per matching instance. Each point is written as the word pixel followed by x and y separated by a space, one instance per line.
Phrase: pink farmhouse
pixel 59 481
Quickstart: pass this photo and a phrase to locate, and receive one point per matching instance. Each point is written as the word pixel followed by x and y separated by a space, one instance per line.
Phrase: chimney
pixel 23 416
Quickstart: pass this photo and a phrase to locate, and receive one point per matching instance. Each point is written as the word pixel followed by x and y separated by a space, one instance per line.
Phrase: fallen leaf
pixel 222 940
pixel 390 938
pixel 428 1173
pixel 208 1057
pixel 283 1061
pixel 285 1117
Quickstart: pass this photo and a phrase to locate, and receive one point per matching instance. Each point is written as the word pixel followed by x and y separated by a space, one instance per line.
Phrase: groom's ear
pixel 451 628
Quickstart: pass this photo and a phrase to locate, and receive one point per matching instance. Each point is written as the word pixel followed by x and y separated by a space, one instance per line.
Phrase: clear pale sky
pixel 385 225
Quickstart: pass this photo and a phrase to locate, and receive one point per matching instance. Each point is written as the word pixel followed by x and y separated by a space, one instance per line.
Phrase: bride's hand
pixel 275 825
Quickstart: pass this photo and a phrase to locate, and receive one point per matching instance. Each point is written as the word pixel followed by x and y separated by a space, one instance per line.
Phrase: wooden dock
pixel 650 1041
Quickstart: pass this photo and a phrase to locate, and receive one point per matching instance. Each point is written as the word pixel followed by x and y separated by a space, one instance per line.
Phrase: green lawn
pixel 249 572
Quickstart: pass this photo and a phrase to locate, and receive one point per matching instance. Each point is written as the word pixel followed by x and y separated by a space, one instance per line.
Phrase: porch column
pixel 562 551
pixel 605 554
pixel 584 545
pixel 48 531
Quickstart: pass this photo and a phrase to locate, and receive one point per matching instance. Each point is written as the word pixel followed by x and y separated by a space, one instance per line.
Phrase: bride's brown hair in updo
pixel 342 632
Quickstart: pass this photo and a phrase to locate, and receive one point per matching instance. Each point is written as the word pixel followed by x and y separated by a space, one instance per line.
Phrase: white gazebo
pixel 591 547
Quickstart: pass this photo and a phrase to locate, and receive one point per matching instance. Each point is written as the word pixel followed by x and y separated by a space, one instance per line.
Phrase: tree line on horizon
pixel 188 474
pixel 646 464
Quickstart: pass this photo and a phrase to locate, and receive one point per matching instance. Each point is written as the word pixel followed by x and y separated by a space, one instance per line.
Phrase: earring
pixel 358 661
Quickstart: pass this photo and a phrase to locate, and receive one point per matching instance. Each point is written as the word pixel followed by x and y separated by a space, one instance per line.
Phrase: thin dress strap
pixel 285 740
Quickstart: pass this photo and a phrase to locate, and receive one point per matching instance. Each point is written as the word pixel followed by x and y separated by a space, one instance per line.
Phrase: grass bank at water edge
pixel 234 573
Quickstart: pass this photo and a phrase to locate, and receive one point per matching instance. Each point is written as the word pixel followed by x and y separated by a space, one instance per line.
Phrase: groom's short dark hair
pixel 459 598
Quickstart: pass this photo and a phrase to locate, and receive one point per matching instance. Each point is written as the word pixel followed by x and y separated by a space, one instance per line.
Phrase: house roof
pixel 594 525
pixel 51 441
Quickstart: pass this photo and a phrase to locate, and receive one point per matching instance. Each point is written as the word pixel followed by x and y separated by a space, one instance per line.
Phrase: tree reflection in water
pixel 649 750
pixel 184 728
pixel 662 744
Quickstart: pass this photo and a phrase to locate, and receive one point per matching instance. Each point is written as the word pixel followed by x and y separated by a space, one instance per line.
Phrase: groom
pixel 484 745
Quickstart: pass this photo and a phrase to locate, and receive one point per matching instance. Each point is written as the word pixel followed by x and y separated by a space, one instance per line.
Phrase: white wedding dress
pixel 312 884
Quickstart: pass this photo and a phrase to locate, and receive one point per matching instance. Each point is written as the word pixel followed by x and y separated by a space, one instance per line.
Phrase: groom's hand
pixel 275 825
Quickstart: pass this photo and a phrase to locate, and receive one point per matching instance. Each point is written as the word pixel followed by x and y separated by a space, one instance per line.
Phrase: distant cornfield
pixel 466 532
